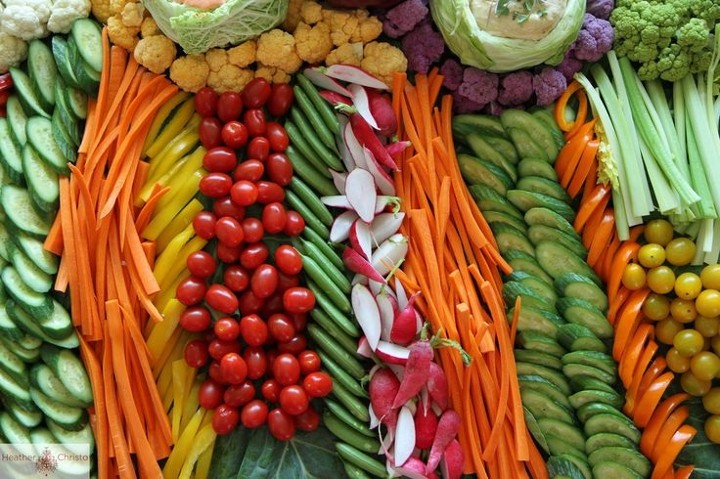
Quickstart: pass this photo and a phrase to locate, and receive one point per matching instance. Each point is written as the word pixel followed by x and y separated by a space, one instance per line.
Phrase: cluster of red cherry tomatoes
pixel 246 297
pixel 6 84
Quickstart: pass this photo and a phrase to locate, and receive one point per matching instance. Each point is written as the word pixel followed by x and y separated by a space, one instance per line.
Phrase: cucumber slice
pixel 62 137
pixel 543 186
pixel 26 93
pixel 14 366
pixel 10 154
pixel 34 249
pixel 629 457
pixel 547 217
pixel 544 386
pixel 537 321
pixel 539 342
pixel 70 370
pixel 62 60
pixel 44 379
pixel 75 441
pixel 28 355
pixel 538 233
pixel 43 72
pixel 87 35
pixel 16 118
pixel 42 180
pixel 10 388
pixel 464 124
pixel 556 261
pixel 15 432
pixel 36 304
pixel 8 329
pixel 514 119
pixel 18 206
pixel 511 239
pixel 71 418
pixel 577 337
pixel 524 200
pixel 538 357
pixel 40 135
pixel 28 324
pixel 536 167
pixel 579 311
pixel 574 285
pixel 78 101
pixel 484 151
pixel 67 119
pixel 481 172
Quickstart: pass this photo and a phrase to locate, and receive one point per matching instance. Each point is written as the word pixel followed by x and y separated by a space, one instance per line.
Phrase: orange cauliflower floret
pixel 293 15
pixel 216 58
pixel 382 60
pixel 313 43
pixel 276 48
pixel 367 30
pixel 342 25
pixel 156 53
pixel 121 34
pixel 311 12
pixel 101 10
pixel 190 73
pixel 148 27
pixel 243 54
pixel 132 14
pixel 349 54
pixel 229 78
pixel 272 74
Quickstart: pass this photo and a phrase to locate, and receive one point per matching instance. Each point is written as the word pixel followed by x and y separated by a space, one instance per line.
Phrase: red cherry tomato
pixel 210 394
pixel 274 217
pixel 221 298
pixel 288 259
pixel 287 281
pixel 233 368
pixel 309 361
pixel 220 159
pixel 210 132
pixel 201 264
pixel 226 329
pixel 226 207
pixel 298 300
pixel 196 353
pixel 254 120
pixel 256 93
pixel 281 327
pixel 281 425
pixel 191 291
pixel 277 136
pixel 279 168
pixel 293 399
pixel 318 384
pixel 214 372
pixel 225 419
pixel 270 390
pixel 204 224
pixel 230 106
pixel 250 304
pixel 253 330
pixel 272 305
pixel 228 254
pixel 286 369
pixel 215 185
pixel 219 348
pixel 206 101
pixel 254 255
pixel 295 346
pixel 258 148
pixel 250 170
pixel 264 281
pixel 281 99
pixel 237 395
pixel 256 362
pixel 229 231
pixel 253 229
pixel 254 414
pixel 269 192
pixel 300 321
pixel 295 224
pixel 308 421
pixel 234 134
pixel 244 193
pixel 236 278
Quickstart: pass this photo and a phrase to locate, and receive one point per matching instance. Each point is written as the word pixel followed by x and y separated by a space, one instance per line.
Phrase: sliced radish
pixel 367 314
pixel 374 421
pixel 362 104
pixel 335 98
pixel 354 74
pixel 361 193
pixel 397 147
pixel 452 461
pixel 383 201
pixel 337 201
pixel 364 348
pixel 354 147
pixel 360 238
pixel 357 264
pixel 340 229
pixel 391 472
pixel 389 253
pixel 345 154
pixel 377 287
pixel 392 353
pixel 399 288
pixel 339 180
pixel 322 80
pixel 404 327
pixel 387 315
pixel 384 182
pixel 404 435
pixel 398 369
pixel 413 468
pixel 385 225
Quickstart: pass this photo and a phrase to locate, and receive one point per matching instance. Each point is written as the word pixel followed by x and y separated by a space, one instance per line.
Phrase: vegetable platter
pixel 382 238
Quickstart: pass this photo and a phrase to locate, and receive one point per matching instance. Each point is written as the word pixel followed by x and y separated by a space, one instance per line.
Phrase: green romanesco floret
pixel 668 38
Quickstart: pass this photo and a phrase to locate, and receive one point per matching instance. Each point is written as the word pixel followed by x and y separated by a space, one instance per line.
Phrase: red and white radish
pixel 357 264
pixel 404 327
pixel 345 154
pixel 335 98
pixel 448 427
pixel 364 348
pixel 383 201
pixel 437 386
pixel 385 225
pixel 337 201
pixel 339 180
pixel 384 182
pixel 426 423
pixel 452 461
pixel 416 371
pixel 383 113
pixel 374 421
pixel 353 146
pixel 362 104
pixel 367 314
pixel 353 74
pixel 367 138
pixel 404 436
pixel 397 147
pixel 361 238
pixel 387 314
pixel 340 229
pixel 389 253
pixel 413 468
pixel 392 353
pixel 383 387
pixel 320 79
pixel 361 193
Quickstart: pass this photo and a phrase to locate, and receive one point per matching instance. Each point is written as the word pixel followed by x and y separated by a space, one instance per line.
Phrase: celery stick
pixel 656 94
pixel 712 256
pixel 621 220
pixel 679 121
pixel 698 176
pixel 667 199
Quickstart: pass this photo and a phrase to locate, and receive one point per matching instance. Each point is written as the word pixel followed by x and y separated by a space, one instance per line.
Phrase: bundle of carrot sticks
pixel 108 268
pixel 454 262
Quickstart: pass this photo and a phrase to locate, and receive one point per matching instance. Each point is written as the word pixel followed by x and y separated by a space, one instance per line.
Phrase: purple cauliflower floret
pixel 594 40
pixel 452 72
pixel 494 108
pixel 548 85
pixel 423 46
pixel 600 8
pixel 516 88
pixel 405 16
pixel 477 89
pixel 570 65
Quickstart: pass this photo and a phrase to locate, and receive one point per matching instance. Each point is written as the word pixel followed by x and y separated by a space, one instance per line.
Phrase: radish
pixel 376 287
pixel 437 386
pixel 404 327
pixel 367 313
pixel 382 110
pixel 320 79
pixel 389 253
pixel 383 387
pixel 353 74
pixel 360 238
pixel 362 104
pixel 387 314
pixel 335 98
pixel 448 427
pixel 345 153
pixel 357 264
pixel 399 371
pixel 367 138
pixel 397 147
pixel 405 436
pixel 364 348
pixel 383 201
pixel 374 421
pixel 353 146
pixel 413 468
pixel 340 229
pixel 384 182
pixel 337 201
pixel 417 369
pixel 385 225
pixel 392 353
pixel 361 193
pixel 426 423
pixel 452 461
pixel 399 288
pixel 339 180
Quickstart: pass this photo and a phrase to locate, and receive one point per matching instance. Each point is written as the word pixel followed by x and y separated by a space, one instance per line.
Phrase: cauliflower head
pixel 13 51
pixel 65 12
pixel 272 74
pixel 190 72
pixel 121 34
pixel 148 27
pixel 276 48
pixel 24 22
pixel 229 78
pixel 383 60
pixel 313 43
pixel 348 54
pixel 156 53
pixel 132 14
pixel 243 54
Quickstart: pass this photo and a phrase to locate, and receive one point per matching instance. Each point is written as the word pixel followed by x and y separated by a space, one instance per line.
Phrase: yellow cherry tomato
pixel 705 365
pixel 711 401
pixel 666 329
pixel 658 231
pixel 656 307
pixel 651 255
pixel 707 303
pixel 683 310
pixel 676 361
pixel 680 251
pixel 688 342
pixel 688 285
pixel 710 276
pixel 712 428
pixel 708 327
pixel 661 279
pixel 693 385
pixel 634 276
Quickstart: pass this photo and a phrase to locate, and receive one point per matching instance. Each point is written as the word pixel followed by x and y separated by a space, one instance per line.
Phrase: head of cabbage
pixel 234 21
pixel 507 35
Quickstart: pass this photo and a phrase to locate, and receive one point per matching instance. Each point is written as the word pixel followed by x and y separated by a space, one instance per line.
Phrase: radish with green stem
pixel 367 314
pixel 447 430
pixel 385 225
pixel 390 252
pixel 335 98
pixel 417 369
pixel 384 182
pixel 361 193
pixel 383 387
pixel 452 461
pixel 437 386
pixel 362 104
pixel 404 327
pixel 321 80
pixel 357 264
pixel 405 436
pixel 392 353
pixel 382 110
pixel 353 74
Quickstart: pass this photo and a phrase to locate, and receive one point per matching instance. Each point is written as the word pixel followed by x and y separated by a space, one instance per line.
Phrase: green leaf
pixel 703 454
pixel 228 454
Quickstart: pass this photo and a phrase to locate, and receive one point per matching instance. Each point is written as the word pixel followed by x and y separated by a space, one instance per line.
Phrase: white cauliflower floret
pixel 65 12
pixel 41 8
pixel 132 14
pixel 13 51
pixel 23 22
